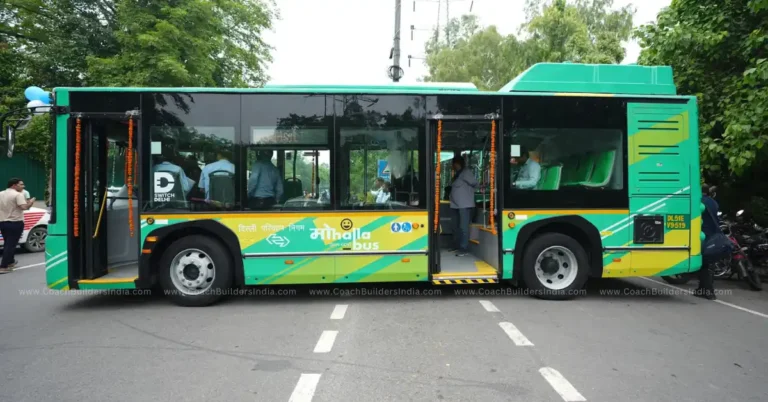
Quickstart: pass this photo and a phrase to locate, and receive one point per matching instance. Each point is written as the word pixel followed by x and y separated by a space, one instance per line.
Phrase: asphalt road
pixel 626 340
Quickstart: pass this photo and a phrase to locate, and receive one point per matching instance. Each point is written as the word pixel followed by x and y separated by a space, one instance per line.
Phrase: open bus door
pixel 104 227
pixel 454 134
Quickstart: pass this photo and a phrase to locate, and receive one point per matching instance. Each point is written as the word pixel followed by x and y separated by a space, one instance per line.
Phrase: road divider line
pixel 489 307
pixel 561 385
pixel 517 337
pixel 737 307
pixel 305 388
pixel 325 343
pixel 339 311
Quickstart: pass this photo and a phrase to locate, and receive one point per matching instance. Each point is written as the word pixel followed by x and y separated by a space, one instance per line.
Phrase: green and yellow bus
pixel 134 206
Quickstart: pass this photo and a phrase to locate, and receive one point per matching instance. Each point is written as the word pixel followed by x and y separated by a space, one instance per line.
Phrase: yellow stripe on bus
pixel 568 211
pixel 108 281
pixel 237 215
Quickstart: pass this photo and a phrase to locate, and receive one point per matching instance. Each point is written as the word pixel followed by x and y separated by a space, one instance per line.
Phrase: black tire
pixel 680 279
pixel 752 277
pixel 222 266
pixel 36 239
pixel 531 254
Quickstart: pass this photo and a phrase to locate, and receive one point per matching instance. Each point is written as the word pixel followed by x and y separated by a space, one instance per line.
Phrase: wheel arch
pixel 168 234
pixel 574 226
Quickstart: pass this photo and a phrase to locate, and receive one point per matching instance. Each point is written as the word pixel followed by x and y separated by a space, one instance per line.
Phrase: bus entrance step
pixel 464 280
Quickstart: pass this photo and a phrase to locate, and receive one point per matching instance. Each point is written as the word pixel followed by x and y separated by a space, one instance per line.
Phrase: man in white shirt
pixel 530 172
pixel 380 191
pixel 222 164
pixel 12 207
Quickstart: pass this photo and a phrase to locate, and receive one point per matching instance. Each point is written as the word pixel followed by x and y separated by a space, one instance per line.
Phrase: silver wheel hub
pixel 192 271
pixel 36 238
pixel 556 267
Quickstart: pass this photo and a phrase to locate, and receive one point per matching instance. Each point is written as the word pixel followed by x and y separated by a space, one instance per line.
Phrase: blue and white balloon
pixel 45 97
pixel 34 93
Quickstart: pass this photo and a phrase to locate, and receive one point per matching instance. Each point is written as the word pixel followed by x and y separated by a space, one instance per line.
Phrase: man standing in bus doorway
pixel 462 199
pixel 12 207
pixel 710 227
pixel 530 172
pixel 265 186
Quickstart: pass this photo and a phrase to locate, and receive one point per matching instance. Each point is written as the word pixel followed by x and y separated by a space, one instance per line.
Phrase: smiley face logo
pixel 346 224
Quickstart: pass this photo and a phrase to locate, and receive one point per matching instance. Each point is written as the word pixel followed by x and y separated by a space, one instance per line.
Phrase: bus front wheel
pixel 555 266
pixel 195 271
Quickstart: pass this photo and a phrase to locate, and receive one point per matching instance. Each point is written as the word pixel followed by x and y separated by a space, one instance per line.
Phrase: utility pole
pixel 396 72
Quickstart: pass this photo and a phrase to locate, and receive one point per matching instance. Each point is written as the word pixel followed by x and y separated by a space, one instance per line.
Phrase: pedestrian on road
pixel 711 228
pixel 462 198
pixel 12 207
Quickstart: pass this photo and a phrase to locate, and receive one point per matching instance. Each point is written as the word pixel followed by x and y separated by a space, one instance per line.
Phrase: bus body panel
pixel 318 247
pixel 663 160
pixel 608 223
pixel 57 243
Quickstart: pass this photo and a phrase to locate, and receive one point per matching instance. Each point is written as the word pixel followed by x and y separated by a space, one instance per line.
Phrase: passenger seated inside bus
pixel 529 174
pixel 221 173
pixel 162 163
pixel 380 191
pixel 265 186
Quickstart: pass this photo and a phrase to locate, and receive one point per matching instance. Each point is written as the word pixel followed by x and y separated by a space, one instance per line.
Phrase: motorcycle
pixel 750 245
pixel 738 262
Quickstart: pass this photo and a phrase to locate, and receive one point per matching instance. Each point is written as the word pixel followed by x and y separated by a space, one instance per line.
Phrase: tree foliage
pixel 187 43
pixel 582 31
pixel 719 52
pixel 54 43
pixel 138 42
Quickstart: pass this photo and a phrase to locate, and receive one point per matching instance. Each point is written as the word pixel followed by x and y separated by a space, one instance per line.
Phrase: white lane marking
pixel 489 307
pixel 305 388
pixel 561 385
pixel 325 343
pixel 737 307
pixel 29 266
pixel 339 311
pixel 517 337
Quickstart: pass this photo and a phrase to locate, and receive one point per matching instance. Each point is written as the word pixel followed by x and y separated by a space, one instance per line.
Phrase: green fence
pixel 21 166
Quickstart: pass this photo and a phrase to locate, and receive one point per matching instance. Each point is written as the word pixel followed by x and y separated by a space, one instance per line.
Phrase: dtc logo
pixel 395 227
pixel 163 182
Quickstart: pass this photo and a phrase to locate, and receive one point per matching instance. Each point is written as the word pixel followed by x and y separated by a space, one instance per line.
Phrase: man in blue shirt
pixel 265 186
pixel 530 172
pixel 222 164
pixel 163 164
pixel 709 226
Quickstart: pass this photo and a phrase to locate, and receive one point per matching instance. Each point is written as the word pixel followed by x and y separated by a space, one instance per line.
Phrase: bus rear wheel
pixel 195 271
pixel 555 266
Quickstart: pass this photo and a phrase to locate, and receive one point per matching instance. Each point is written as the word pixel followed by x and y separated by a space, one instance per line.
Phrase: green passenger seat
pixel 601 174
pixel 583 170
pixel 550 177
